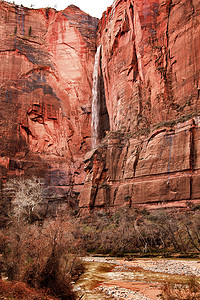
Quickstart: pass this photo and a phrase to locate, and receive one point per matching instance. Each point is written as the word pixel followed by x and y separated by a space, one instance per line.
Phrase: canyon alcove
pixel 106 111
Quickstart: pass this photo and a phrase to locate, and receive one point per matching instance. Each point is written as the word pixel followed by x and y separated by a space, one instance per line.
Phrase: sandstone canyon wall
pixel 150 68
pixel 145 107
pixel 46 60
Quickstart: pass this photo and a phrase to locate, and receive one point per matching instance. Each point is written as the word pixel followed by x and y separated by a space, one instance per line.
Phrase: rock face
pixel 46 71
pixel 146 109
pixel 150 63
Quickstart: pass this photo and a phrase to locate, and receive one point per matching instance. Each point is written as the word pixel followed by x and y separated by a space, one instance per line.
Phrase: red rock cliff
pixel 150 63
pixel 46 60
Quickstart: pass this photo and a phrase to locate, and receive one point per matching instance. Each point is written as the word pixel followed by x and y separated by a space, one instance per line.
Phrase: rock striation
pixel 150 64
pixel 46 71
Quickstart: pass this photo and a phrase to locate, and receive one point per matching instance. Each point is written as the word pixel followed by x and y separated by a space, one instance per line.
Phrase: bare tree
pixel 26 195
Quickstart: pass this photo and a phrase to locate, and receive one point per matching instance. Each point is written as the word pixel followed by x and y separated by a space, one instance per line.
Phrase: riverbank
pixel 139 279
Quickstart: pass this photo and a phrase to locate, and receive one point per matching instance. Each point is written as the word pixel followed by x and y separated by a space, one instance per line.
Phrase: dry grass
pixel 188 291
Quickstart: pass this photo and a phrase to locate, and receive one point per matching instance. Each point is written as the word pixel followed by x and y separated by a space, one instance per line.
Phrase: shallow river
pixel 138 279
pixel 96 273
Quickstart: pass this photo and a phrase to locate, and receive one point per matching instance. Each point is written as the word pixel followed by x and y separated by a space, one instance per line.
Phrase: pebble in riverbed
pixel 121 293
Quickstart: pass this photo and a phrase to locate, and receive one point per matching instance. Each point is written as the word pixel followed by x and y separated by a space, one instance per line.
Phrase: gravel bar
pixel 179 267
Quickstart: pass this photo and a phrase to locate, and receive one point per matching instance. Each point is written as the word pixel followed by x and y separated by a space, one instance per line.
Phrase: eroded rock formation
pixel 147 93
pixel 150 61
pixel 46 60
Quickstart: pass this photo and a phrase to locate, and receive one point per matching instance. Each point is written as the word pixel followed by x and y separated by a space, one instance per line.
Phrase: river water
pixel 96 273
pixel 137 279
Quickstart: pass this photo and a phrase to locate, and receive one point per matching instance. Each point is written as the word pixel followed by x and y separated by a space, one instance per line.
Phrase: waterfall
pixel 95 100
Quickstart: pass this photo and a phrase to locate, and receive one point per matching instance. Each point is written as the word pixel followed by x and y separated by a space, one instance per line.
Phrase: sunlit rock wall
pixel 151 70
pixel 46 60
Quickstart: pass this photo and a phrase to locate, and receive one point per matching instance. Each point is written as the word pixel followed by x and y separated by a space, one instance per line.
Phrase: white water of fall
pixel 95 100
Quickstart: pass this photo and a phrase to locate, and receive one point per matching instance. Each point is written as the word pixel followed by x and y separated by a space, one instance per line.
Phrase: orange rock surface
pixel 150 62
pixel 148 92
pixel 46 72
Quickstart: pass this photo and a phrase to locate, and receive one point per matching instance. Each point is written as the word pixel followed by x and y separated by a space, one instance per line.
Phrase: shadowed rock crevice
pixel 100 118
pixel 104 117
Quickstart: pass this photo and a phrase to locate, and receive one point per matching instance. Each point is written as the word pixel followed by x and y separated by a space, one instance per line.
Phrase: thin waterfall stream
pixel 95 100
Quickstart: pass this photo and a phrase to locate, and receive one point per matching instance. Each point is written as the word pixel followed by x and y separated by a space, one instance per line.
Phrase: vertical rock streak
pixel 113 9
pixel 170 155
pixel 95 100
